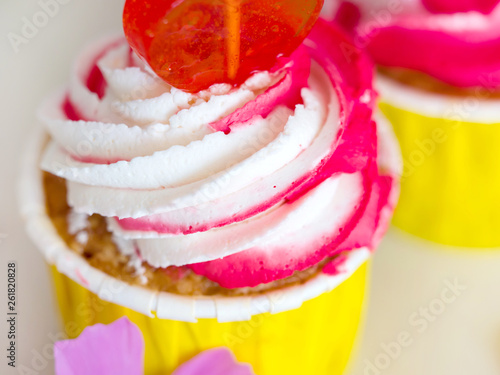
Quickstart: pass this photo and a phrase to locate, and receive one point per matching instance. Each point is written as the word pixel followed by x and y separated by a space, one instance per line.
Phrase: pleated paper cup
pixel 316 338
pixel 302 329
pixel 451 152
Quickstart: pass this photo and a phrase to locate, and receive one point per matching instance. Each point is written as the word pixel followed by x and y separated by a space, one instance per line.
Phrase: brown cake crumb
pixel 430 84
pixel 102 253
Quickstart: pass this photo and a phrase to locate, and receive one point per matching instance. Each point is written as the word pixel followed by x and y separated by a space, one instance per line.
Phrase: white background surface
pixel 408 274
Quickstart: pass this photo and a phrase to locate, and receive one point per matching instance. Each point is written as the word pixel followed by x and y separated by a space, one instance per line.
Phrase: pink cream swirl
pixel 244 185
pixel 454 41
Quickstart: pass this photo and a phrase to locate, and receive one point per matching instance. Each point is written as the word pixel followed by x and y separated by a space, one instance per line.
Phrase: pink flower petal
pixel 117 348
pixel 219 361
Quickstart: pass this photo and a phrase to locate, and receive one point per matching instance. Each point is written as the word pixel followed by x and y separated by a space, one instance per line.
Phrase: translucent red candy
pixel 192 44
pixel 453 6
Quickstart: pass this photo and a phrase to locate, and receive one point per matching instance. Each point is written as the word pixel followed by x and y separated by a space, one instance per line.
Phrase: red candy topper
pixel 192 44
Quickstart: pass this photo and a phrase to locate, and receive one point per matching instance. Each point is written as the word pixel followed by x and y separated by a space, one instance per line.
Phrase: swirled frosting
pixel 455 41
pixel 245 185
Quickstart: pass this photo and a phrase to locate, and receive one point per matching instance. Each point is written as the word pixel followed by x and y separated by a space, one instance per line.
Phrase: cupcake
pixel 238 210
pixel 439 81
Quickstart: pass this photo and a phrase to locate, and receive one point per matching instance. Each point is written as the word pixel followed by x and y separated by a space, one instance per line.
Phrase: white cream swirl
pixel 145 150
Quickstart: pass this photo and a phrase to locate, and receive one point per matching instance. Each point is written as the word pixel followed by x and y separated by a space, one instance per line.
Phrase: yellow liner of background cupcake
pixel 451 153
pixel 308 328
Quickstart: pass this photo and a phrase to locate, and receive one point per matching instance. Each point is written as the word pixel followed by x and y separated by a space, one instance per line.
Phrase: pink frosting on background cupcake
pixel 456 42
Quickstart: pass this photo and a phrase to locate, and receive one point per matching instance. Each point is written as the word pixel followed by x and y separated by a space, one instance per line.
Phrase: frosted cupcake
pixel 440 87
pixel 241 215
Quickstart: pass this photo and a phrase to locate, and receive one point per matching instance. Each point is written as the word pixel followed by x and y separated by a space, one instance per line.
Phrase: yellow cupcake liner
pixel 317 338
pixel 451 153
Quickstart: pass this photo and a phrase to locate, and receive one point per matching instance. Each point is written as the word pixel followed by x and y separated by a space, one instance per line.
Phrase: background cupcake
pixel 439 86
pixel 218 205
